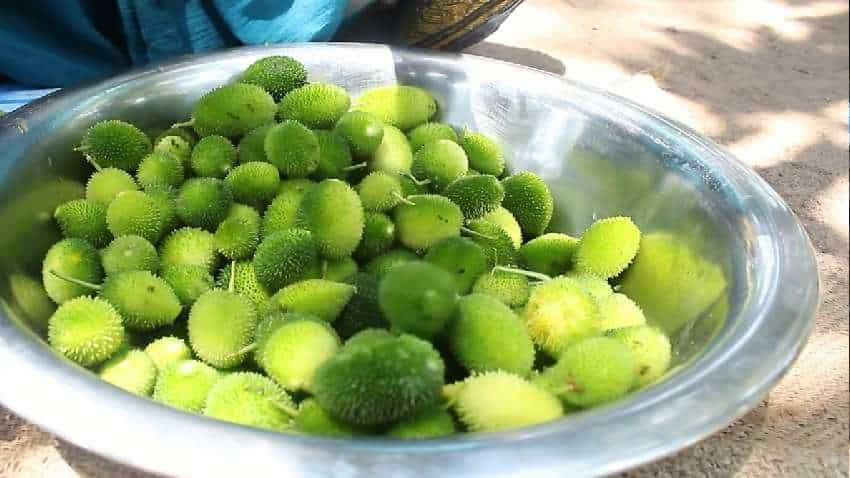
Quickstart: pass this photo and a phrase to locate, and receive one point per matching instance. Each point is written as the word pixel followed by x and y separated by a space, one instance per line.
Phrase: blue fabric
pixel 64 42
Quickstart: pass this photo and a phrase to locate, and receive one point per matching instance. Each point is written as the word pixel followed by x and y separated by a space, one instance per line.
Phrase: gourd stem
pixel 76 281
pixel 403 199
pixel 531 274
pixel 475 233
pixel 355 167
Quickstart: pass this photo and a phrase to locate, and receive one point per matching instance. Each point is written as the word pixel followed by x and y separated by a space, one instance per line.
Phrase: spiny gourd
pixel 617 311
pixel 363 132
pixel 332 211
pixel 189 246
pixel 483 153
pixel 528 198
pixel 378 236
pixel 29 296
pixel 134 213
pixel 83 219
pixel 380 191
pixel 559 313
pixel 592 372
pixel 334 156
pixel 511 288
pixel 394 154
pixel 404 107
pixel 74 258
pixel 249 398
pixel 165 198
pixel 160 168
pixel 607 247
pixel 252 146
pixel 432 423
pixel 203 202
pixel 598 287
pixel 105 184
pixel 213 156
pixel 144 300
pixel 440 162
pixel 86 330
pixel 221 326
pixel 461 257
pixel 185 384
pixel 286 257
pixel 187 281
pixel 315 105
pixel 237 238
pixel 185 134
pixel 381 381
pixel 550 254
pixel 487 335
pixel 499 400
pixel 266 326
pixel 318 297
pixel 370 336
pixel 428 132
pixel 340 270
pixel 388 261
pixel 278 75
pixel 296 349
pixel 129 253
pixel 175 145
pixel 504 219
pixel 362 311
pixel 423 220
pixel 282 213
pixel 314 420
pixel 494 241
pixel 115 143
pixel 131 370
pixel 293 149
pixel 651 350
pixel 244 282
pixel 476 195
pixel 168 350
pixel 233 110
pixel 418 298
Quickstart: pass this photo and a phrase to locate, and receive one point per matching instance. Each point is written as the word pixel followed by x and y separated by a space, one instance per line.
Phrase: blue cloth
pixel 63 42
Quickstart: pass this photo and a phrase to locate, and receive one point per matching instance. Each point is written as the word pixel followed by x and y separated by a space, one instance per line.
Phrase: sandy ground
pixel 768 80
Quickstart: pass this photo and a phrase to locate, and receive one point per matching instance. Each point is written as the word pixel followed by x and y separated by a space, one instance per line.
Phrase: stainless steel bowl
pixel 738 292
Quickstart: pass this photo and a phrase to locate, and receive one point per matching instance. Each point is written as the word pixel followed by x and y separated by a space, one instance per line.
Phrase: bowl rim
pixel 723 369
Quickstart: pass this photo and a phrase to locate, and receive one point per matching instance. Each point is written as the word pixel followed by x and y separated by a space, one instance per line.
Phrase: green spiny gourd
pixel 185 384
pixel 129 253
pixel 441 162
pixel 607 247
pixel 428 132
pixel 187 281
pixel 362 311
pixel 293 149
pixel 378 236
pixel 233 110
pixel 380 191
pixel 418 298
pixel 651 349
pixel 432 423
pixel 160 168
pixel 483 153
pixel 185 134
pixel 221 327
pixel 267 325
pixel 550 254
pixel 332 211
pixel 340 270
pixel 496 401
pixel 105 184
pixel 251 399
pixel 404 107
pixel 144 300
pixel 617 311
pixel 286 257
pixel 213 156
pixel 134 213
pixel 504 219
pixel 318 297
pixel 528 198
pixel 236 237
pixel 334 155
pixel 74 258
pixel 252 146
pixel 394 154
pixel 176 146
pixel 494 241
pixel 559 313
pixel 244 282
pixel 131 370
pixel 165 198
pixel 168 350
pixel 389 260
pixel 86 330
pixel 203 202
pixel 278 75
pixel 370 336
pixel 380 382
pixel 362 131
pixel 315 105
pixel 461 257
pixel 509 287
pixel 28 294
pixel 314 420
pixel 423 220
pixel 115 143
pixel 487 335
pixel 476 195
pixel 189 246
pixel 296 349
pixel 83 219
pixel 283 210
pixel 598 287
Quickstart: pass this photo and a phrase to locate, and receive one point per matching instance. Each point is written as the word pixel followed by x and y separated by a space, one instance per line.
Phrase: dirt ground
pixel 766 79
